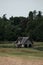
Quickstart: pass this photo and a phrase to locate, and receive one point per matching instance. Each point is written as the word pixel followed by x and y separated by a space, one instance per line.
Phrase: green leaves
pixel 13 27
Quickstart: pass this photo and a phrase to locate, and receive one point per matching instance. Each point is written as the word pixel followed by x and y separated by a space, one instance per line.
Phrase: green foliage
pixel 13 27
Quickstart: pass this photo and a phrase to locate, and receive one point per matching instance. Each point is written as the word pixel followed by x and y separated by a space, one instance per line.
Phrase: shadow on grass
pixel 6 47
pixel 39 48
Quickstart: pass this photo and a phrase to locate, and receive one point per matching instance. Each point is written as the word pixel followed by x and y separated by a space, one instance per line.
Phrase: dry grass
pixel 22 56
pixel 19 61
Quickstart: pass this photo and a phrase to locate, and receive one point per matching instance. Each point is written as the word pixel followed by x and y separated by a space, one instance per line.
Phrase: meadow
pixel 36 50
pixel 32 55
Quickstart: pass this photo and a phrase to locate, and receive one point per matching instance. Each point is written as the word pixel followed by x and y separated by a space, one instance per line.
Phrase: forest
pixel 31 26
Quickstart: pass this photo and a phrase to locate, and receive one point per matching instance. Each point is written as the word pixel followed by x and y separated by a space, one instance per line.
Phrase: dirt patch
pixel 19 61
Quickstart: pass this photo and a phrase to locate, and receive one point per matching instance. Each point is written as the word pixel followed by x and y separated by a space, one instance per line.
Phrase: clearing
pixel 21 56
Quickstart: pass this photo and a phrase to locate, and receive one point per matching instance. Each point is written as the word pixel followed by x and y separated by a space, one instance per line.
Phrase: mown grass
pixel 38 46
pixel 21 52
pixel 7 45
pixel 27 52
pixel 38 43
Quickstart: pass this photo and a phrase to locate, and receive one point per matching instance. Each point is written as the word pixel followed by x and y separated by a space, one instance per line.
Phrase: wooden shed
pixel 24 42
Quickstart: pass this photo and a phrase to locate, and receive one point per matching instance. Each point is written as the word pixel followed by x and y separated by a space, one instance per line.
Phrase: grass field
pixel 37 50
pixel 31 55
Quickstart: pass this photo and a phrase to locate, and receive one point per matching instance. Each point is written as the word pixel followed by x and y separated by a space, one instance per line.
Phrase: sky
pixel 19 7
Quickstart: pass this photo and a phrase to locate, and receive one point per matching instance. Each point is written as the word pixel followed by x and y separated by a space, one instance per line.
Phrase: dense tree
pixel 13 27
pixel 30 16
pixel 34 14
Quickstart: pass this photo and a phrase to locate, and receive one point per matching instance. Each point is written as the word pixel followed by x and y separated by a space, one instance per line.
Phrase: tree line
pixel 14 27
